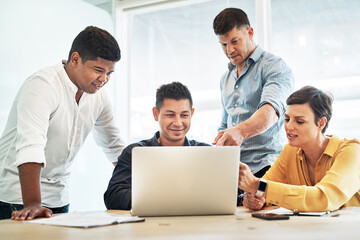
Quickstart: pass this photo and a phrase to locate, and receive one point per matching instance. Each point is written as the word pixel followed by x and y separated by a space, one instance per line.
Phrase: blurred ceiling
pixel 107 5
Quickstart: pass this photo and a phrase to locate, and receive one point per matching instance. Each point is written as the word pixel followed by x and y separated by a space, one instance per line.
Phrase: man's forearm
pixel 259 122
pixel 29 174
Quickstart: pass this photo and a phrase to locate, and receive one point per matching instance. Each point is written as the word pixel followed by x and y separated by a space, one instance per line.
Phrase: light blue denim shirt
pixel 265 80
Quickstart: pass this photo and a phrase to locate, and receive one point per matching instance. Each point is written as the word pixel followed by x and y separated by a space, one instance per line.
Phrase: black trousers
pixel 7 208
pixel 258 174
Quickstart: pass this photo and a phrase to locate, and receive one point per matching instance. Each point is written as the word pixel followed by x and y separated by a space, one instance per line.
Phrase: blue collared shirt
pixel 266 79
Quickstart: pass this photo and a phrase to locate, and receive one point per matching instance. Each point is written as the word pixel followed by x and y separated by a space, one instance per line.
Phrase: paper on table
pixel 288 212
pixel 87 219
pixel 281 210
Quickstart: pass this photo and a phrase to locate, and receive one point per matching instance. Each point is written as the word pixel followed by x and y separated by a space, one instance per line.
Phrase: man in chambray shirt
pixel 253 93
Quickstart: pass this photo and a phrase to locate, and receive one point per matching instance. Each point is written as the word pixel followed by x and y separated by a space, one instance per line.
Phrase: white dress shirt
pixel 47 126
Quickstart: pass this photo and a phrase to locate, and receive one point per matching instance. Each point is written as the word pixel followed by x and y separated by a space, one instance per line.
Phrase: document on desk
pixel 87 219
pixel 285 211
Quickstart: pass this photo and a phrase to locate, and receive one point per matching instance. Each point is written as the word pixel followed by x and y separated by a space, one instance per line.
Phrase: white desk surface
pixel 238 226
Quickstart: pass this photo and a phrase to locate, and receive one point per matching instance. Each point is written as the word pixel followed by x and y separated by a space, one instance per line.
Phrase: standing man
pixel 52 114
pixel 173 110
pixel 253 93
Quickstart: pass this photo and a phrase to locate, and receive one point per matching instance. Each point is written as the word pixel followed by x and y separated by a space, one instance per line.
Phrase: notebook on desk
pixel 169 181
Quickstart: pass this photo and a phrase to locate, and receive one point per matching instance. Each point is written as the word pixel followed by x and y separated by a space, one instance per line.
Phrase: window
pixel 319 40
pixel 177 43
pixel 174 41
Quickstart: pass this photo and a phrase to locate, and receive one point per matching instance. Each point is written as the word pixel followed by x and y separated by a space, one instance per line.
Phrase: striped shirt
pixel 266 79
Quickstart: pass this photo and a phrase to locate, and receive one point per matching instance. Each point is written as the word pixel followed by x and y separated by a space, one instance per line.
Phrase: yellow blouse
pixel 337 178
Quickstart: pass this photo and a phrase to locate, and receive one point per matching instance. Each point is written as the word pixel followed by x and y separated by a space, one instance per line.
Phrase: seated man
pixel 173 111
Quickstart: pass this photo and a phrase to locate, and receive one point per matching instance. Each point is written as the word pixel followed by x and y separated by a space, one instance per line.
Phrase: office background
pixel 172 40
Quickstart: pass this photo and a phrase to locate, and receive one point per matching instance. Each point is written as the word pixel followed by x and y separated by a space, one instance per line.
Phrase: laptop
pixel 179 181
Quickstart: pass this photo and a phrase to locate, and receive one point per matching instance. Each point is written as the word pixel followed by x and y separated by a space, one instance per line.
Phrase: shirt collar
pixel 332 146
pixel 329 150
pixel 254 57
pixel 154 140
pixel 300 154
pixel 68 81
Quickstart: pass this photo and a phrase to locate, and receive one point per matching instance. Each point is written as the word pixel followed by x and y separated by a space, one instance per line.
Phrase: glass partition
pixel 178 44
pixel 319 40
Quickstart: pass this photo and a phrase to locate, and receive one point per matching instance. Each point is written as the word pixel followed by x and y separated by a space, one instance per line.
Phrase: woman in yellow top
pixel 314 172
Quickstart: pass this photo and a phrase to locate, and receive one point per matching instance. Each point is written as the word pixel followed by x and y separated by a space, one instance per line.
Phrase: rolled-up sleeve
pixel 36 101
pixel 279 83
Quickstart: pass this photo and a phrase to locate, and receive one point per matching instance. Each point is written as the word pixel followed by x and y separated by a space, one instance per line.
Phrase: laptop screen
pixel 184 180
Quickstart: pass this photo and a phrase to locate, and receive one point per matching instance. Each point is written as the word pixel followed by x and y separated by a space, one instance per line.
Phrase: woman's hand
pixel 247 181
pixel 253 202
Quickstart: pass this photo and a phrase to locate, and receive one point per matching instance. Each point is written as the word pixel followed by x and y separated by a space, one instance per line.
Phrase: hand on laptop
pixel 247 181
pixel 229 137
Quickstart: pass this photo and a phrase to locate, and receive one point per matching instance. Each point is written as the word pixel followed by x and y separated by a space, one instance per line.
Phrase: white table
pixel 239 226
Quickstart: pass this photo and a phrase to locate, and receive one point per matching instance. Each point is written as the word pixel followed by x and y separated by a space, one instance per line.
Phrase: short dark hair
pixel 229 18
pixel 174 90
pixel 94 42
pixel 319 101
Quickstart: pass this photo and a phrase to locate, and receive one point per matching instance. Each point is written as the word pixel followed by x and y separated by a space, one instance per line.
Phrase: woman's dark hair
pixel 174 90
pixel 229 18
pixel 94 42
pixel 319 101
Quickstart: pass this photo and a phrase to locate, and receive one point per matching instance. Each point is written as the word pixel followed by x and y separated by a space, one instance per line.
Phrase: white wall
pixel 39 33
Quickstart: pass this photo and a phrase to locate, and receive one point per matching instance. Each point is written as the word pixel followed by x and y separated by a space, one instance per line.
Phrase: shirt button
pixel 236 86
pixel 234 124
pixel 235 105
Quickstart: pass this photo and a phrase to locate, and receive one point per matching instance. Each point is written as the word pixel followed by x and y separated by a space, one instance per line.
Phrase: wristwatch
pixel 261 187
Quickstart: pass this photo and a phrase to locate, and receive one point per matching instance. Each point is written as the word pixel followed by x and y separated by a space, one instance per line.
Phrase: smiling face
pixel 174 118
pixel 238 44
pixel 301 129
pixel 90 76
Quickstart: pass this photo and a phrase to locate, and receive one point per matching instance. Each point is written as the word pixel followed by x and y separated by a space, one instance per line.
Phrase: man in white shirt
pixel 51 116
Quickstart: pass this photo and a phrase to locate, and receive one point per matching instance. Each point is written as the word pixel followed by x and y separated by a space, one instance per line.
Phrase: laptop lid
pixel 184 180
